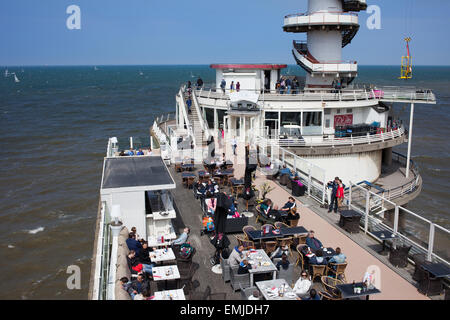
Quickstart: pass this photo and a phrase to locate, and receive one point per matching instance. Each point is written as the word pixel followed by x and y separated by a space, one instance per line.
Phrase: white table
pixel 270 290
pixel 160 255
pixel 156 241
pixel 170 295
pixel 166 273
pixel 261 263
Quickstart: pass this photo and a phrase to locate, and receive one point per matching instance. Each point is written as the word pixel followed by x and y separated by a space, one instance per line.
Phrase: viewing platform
pixel 304 22
pixel 384 94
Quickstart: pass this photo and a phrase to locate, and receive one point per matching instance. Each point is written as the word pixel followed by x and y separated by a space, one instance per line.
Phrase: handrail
pixel 327 94
pixel 320 12
pixel 203 123
pixel 185 114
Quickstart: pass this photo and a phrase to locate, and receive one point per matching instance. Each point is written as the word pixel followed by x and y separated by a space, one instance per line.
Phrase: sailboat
pixel 15 78
pixel 95 68
pixel 141 73
pixel 6 73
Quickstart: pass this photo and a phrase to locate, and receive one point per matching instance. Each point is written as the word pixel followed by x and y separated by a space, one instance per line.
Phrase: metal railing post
pixel 309 182
pixel 430 242
pixel 396 216
pixel 366 221
pixel 350 197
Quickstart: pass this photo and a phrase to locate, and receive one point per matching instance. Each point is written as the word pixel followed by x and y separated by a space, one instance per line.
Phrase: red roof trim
pixel 248 66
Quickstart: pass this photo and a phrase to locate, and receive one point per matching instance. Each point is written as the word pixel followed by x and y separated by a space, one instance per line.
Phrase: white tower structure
pixel 330 25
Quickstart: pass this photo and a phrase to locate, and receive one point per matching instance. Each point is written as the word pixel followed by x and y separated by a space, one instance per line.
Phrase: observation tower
pixel 330 25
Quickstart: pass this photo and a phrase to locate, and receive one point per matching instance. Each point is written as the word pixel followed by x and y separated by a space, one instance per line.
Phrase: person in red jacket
pixel 340 193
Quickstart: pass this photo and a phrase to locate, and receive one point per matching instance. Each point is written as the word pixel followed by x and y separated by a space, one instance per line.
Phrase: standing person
pixel 199 83
pixel 232 86
pixel 234 145
pixel 340 193
pixel 189 84
pixel 223 85
pixel 189 104
pixel 238 86
pixel 282 86
pixel 333 185
pixel 288 85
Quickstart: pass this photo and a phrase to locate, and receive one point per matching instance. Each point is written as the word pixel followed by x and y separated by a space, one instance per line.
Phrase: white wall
pixel 324 5
pixel 350 167
pixel 325 45
pixel 132 206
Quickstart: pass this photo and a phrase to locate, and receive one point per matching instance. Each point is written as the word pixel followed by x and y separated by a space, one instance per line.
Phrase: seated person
pixel 303 284
pixel 144 255
pixel 269 211
pixel 283 263
pixel 140 284
pixel 254 296
pixel 126 285
pixel 339 257
pixel 312 295
pixel 318 259
pixel 135 265
pixel 312 242
pixel 292 215
pixel 286 171
pixel 244 266
pixel 236 256
pixel 149 152
pixel 133 244
pixel 289 205
pixel 183 237
pixel 130 152
pixel 212 187
pixel 140 153
pixel 278 253
pixel 137 237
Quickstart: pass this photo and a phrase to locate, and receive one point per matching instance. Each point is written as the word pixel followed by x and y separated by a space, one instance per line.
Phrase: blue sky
pixel 205 31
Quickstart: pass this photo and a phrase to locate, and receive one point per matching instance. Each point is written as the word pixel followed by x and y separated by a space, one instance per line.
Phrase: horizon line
pixel 189 64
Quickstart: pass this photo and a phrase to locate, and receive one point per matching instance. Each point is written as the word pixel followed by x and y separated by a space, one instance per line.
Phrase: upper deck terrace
pixel 383 94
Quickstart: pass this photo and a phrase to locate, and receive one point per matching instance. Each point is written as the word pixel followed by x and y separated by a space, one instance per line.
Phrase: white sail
pixel 15 78
pixel 6 73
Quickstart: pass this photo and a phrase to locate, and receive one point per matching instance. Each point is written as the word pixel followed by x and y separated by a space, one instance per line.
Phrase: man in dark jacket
pixel 140 284
pixel 133 244
pixel 334 185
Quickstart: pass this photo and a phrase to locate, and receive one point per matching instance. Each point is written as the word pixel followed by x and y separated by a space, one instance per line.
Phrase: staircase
pixel 348 35
pixel 194 121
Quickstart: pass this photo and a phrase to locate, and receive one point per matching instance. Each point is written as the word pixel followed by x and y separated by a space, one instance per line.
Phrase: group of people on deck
pixel 285 214
pixel 138 260
pixel 233 87
pixel 139 152
pixel 337 194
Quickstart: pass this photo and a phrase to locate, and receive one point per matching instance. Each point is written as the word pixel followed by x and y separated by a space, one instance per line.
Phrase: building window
pixel 271 115
pixel 209 113
pixel 327 123
pixel 220 115
pixel 338 111
pixel 327 111
pixel 349 110
pixel 312 123
pixel 290 118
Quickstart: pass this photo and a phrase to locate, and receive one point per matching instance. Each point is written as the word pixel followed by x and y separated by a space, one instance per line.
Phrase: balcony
pixel 304 22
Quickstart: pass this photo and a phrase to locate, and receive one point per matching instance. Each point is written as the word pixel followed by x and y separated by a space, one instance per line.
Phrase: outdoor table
pixel 383 236
pixel 328 252
pixel 293 231
pixel 438 271
pixel 270 290
pixel 187 166
pixel 165 273
pixel 350 220
pixel 237 182
pixel 347 291
pixel 156 241
pixel 261 263
pixel 170 295
pixel 277 233
pixel 160 255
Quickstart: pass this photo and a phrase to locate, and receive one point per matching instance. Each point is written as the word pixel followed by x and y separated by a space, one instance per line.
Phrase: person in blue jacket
pixel 133 244
pixel 312 242
pixel 333 185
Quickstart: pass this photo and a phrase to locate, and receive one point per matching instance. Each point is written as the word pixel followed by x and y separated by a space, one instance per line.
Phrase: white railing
pixel 321 18
pixel 183 110
pixel 203 123
pixel 415 230
pixel 336 142
pixel 388 94
pixel 311 175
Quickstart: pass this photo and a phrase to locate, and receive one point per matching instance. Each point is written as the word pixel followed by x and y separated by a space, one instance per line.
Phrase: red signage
pixel 343 120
